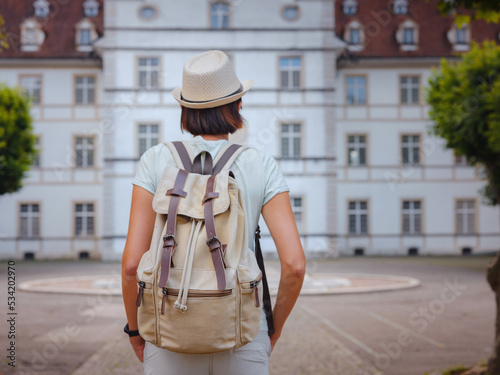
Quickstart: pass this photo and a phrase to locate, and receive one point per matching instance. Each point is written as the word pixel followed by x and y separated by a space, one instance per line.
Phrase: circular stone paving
pixel 314 284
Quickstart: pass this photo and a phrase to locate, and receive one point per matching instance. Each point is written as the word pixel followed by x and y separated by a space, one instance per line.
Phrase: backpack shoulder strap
pixel 181 155
pixel 227 156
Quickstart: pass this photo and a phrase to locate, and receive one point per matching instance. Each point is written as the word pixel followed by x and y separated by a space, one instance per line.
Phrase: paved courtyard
pixel 447 320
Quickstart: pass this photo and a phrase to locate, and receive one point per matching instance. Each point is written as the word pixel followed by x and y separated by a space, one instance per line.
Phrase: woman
pixel 210 100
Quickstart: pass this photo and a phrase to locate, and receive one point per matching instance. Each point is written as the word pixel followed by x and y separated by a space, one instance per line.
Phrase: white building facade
pixel 399 191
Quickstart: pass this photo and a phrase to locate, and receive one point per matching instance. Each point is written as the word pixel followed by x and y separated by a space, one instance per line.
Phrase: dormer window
pixel 32 36
pixel 350 7
pixel 85 35
pixel 407 36
pixel 354 36
pixel 91 8
pixel 41 8
pixel 459 37
pixel 400 6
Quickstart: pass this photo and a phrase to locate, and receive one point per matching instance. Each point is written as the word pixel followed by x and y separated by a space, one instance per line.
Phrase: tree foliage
pixel 464 99
pixel 17 148
pixel 3 35
pixel 488 10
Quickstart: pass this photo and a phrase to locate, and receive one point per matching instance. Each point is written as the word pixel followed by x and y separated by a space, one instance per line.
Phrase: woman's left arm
pixel 140 231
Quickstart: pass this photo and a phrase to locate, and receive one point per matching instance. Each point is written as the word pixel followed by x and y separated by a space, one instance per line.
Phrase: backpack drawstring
pixel 181 302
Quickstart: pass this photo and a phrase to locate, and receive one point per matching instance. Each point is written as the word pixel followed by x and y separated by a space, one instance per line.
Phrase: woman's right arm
pixel 280 220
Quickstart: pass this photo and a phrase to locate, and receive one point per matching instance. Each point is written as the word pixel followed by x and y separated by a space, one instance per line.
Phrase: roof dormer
pixel 91 8
pixel 32 36
pixel 85 35
pixel 407 36
pixel 42 8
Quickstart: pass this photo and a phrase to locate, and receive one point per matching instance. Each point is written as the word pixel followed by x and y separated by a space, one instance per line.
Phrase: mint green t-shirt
pixel 257 174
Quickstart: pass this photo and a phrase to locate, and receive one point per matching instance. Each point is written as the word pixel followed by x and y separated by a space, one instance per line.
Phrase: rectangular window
pixel 465 212
pixel 409 87
pixel 354 36
pixel 220 15
pixel 84 152
pixel 356 149
pixel 297 211
pixel 410 149
pixel 290 140
pixel 148 137
pixel 408 35
pixel 290 68
pixel 356 90
pixel 85 37
pixel 36 159
pixel 412 217
pixel 84 219
pixel 31 85
pixel 84 90
pixel 358 217
pixel 29 221
pixel 149 71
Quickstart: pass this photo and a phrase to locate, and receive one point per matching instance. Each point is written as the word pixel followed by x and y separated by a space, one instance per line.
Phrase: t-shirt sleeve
pixel 274 181
pixel 144 175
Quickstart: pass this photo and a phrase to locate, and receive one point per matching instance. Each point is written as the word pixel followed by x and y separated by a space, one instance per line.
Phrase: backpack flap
pixel 192 204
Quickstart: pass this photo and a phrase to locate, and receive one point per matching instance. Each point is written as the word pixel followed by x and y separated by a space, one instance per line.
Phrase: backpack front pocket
pixel 146 312
pixel 250 309
pixel 186 332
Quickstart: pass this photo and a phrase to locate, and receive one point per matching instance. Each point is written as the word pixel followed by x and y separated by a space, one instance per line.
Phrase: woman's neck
pixel 215 137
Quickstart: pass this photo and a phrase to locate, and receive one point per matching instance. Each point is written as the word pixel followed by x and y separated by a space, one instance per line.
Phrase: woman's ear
pixel 240 105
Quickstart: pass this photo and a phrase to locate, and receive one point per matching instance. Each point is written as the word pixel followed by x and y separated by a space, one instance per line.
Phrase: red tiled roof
pixel 380 25
pixel 59 28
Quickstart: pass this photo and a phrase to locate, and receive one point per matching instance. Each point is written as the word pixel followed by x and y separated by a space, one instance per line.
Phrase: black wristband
pixel 129 332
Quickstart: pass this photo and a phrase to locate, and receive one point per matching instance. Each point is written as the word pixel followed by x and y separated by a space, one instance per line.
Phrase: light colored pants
pixel 250 359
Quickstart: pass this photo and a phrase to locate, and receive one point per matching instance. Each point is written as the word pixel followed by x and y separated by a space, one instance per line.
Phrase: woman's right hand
pixel 138 345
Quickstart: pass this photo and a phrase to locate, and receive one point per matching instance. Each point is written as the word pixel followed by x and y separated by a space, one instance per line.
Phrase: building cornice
pixel 50 62
pixel 391 62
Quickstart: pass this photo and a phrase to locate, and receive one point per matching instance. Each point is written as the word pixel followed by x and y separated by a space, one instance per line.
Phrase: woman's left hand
pixel 138 345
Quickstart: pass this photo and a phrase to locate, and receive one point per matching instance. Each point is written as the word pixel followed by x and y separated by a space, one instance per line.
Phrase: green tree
pixel 488 10
pixel 3 35
pixel 17 142
pixel 464 99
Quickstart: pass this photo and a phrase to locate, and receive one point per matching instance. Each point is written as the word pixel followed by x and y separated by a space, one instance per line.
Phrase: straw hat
pixel 209 80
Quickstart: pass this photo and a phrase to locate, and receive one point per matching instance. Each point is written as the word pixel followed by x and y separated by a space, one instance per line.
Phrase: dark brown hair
pixel 212 121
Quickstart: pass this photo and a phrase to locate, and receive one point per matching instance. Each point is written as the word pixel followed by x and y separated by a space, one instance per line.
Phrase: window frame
pixel 94 149
pixel 141 7
pixel 419 87
pixel 40 76
pixel 301 223
pixel 138 75
pixel 420 158
pixel 285 7
pixel 476 216
pixel 229 14
pixel 137 127
pixel 85 75
pixel 19 216
pixel 300 70
pixel 94 216
pixel 348 160
pixel 39 155
pixel 421 213
pixel 365 76
pixel 348 211
pixel 301 139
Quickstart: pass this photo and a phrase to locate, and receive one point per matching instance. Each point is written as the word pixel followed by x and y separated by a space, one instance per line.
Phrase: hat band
pixel 240 89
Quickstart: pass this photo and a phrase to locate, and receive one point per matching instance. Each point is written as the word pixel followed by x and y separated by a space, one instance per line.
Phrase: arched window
pixel 400 6
pixel 91 8
pixel 41 8
pixel 407 36
pixel 219 15
pixel 459 37
pixel 350 7
pixel 85 35
pixel 354 36
pixel 32 36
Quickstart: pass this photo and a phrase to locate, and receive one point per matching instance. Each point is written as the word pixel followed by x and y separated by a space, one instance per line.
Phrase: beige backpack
pixel 200 287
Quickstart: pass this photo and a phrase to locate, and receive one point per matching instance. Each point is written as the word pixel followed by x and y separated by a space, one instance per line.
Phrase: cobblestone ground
pixel 355 334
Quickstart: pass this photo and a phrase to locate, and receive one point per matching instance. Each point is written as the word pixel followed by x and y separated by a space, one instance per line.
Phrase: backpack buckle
pixel 170 238
pixel 213 243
